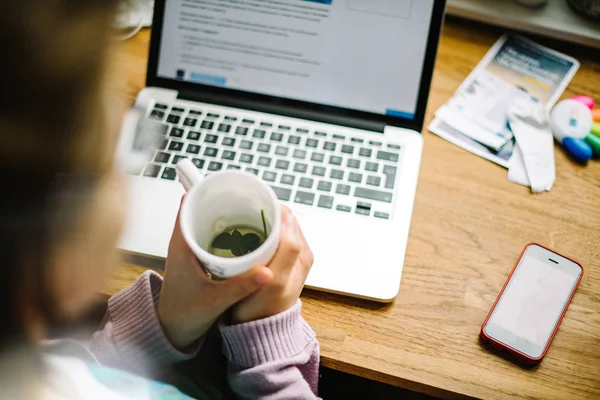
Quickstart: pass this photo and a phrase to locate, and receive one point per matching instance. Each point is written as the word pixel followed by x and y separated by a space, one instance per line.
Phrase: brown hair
pixel 51 133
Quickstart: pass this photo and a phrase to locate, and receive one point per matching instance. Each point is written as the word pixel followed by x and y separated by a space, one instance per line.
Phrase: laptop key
pixel 246 158
pixel 160 106
pixel 211 138
pixel 229 118
pixel 342 189
pixel 210 152
pixel 212 115
pixel 276 137
pixel 151 170
pixel 355 177
pixel 307 183
pixel 248 121
pixel 173 119
pixel 371 194
pixel 372 167
pixel 304 198
pixel 387 156
pixel 259 134
pixel 228 155
pixel 393 146
pixel 373 180
pixel 163 144
pixel 281 151
pixel 264 161
pixel 318 157
pixel 252 171
pixel 233 166
pixel 193 149
pixel 301 130
pixel 312 143
pixel 284 127
pixel 363 152
pixel 347 149
pixel 294 139
pixel 382 215
pixel 390 176
pixel 323 134
pixel 169 174
pixel 324 186
pixel 335 160
pixel 224 128
pixel 269 176
pixel 375 143
pixel 162 157
pixel 178 109
pixel 198 162
pixel 267 124
pixel 176 132
pixel 191 122
pixel 287 179
pixel 246 145
pixel 339 137
pixel 300 167
pixel 344 208
pixel 362 211
pixel 352 163
pixel 282 194
pixel 156 114
pixel 329 146
pixel 300 154
pixel 240 130
pixel 175 146
pixel 194 135
pixel 264 148
pixel 318 171
pixel 326 201
pixel 356 140
pixel 215 166
pixel 336 174
pixel 176 159
pixel 195 112
pixel 207 125
pixel 227 141
pixel 282 164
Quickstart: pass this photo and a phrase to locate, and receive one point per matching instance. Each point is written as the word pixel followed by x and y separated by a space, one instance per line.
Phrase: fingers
pixel 241 286
pixel 289 243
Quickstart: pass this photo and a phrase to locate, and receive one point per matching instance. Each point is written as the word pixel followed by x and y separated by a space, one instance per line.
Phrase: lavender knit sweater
pixel 274 358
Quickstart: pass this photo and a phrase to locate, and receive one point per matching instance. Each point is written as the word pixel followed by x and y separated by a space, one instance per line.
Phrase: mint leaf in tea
pixel 237 241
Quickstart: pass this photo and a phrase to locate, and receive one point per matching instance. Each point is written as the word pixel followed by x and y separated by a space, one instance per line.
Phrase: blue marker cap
pixel 578 148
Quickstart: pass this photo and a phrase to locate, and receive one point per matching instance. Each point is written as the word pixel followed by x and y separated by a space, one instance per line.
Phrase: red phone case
pixel 519 355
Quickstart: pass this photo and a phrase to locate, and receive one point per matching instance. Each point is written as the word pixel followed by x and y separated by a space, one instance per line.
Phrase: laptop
pixel 322 99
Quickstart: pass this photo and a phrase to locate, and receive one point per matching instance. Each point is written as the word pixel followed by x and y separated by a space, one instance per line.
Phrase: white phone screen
pixel 534 299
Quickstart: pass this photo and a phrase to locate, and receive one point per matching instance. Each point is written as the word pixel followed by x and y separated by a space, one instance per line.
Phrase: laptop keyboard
pixel 316 168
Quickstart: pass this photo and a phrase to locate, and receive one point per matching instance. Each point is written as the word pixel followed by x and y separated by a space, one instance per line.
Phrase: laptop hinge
pixel 283 110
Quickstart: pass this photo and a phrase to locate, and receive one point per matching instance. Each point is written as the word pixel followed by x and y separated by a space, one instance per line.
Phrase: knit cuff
pixel 270 339
pixel 138 334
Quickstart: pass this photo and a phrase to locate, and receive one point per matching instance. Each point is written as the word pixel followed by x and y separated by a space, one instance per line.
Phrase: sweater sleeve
pixel 273 358
pixel 131 336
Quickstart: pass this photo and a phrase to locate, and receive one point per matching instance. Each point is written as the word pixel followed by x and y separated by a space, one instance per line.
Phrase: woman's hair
pixel 51 139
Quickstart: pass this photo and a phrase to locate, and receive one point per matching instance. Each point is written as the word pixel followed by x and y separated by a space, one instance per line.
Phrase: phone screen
pixel 533 300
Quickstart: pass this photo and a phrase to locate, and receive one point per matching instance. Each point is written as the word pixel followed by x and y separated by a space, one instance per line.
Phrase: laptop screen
pixel 364 55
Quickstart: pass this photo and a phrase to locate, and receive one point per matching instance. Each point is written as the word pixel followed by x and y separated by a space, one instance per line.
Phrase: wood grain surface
pixel 468 228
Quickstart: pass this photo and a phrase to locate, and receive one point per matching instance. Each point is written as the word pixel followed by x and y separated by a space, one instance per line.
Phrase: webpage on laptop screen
pixel 364 55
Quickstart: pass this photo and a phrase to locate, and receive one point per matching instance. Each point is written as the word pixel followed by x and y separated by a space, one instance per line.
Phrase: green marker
pixel 596 129
pixel 594 142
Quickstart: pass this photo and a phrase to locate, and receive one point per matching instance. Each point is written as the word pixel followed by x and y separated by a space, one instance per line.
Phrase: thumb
pixel 243 285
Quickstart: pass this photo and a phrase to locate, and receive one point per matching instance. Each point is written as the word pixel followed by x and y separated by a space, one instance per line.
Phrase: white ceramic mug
pixel 222 200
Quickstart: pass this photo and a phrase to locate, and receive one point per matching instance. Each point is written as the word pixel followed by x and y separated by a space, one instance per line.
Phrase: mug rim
pixel 223 261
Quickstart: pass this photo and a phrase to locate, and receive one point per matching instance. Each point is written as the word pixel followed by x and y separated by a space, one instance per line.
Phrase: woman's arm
pixel 275 357
pixel 131 336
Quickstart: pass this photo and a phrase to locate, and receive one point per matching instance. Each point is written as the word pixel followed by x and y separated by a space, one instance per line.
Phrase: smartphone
pixel 532 303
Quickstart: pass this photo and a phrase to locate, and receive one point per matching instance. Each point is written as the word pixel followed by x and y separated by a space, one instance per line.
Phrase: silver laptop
pixel 322 99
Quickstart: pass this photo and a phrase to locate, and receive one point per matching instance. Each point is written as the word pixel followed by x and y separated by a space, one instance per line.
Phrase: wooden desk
pixel 468 227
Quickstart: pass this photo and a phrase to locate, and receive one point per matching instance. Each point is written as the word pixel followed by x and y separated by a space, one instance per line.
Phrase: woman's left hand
pixel 190 302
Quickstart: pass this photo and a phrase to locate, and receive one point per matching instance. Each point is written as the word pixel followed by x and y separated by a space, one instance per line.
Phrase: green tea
pixel 236 241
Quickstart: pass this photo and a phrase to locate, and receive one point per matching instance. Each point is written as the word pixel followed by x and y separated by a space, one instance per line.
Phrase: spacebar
pixel 373 194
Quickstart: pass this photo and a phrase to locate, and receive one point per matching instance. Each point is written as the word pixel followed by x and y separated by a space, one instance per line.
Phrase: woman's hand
pixel 290 267
pixel 190 302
